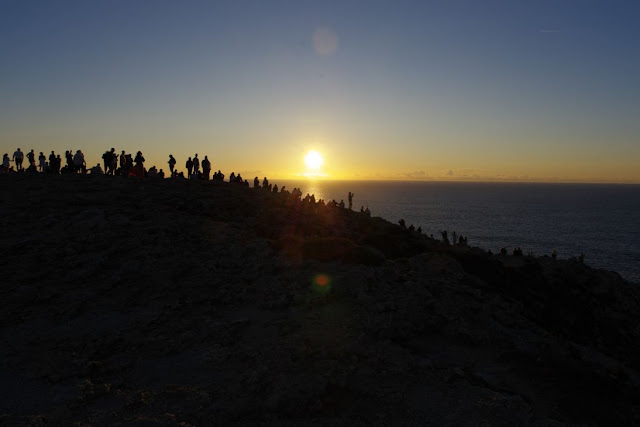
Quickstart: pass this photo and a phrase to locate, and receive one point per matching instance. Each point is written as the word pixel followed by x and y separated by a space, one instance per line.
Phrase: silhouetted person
pixel 206 167
pixel 31 156
pixel 445 238
pixel 139 160
pixel 123 160
pixel 419 230
pixel 41 161
pixel 402 223
pixel 196 164
pixel 6 162
pixel 503 251
pixel 161 174
pixel 351 200
pixel 172 163
pixel 96 170
pixel 79 164
pixel 256 182
pixel 189 166
pixel 18 156
pixel 58 164
pixel 265 182
pixel 106 160
pixel 554 254
pixel 69 158
pixel 138 169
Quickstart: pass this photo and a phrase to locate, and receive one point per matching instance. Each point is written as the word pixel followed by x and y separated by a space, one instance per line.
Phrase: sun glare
pixel 313 160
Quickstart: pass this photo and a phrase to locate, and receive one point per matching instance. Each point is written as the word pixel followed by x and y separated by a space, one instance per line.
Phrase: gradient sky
pixel 482 90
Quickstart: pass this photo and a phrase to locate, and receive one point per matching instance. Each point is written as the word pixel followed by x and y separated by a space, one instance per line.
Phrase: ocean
pixel 600 220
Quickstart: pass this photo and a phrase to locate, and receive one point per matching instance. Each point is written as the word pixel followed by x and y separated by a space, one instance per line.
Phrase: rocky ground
pixel 199 303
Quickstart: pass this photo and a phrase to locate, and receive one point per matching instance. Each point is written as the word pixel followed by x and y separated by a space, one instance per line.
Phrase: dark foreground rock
pixel 161 302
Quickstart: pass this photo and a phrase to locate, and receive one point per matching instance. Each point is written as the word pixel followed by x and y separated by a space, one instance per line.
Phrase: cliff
pixel 168 302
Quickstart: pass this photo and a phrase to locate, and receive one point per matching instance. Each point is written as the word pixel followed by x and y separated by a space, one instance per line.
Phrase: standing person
pixel 196 164
pixel 79 163
pixel 206 168
pixel 41 161
pixel 18 156
pixel 123 160
pixel 106 159
pixel 351 200
pixel 139 167
pixel 189 166
pixel 172 163
pixel 52 160
pixel 69 158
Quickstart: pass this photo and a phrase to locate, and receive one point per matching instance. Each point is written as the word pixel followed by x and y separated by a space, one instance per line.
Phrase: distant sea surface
pixel 600 220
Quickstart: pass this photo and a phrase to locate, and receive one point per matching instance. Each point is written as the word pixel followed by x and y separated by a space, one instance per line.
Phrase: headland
pixel 176 301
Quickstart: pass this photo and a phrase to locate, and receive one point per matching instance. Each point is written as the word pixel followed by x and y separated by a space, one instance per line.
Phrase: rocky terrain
pixel 198 303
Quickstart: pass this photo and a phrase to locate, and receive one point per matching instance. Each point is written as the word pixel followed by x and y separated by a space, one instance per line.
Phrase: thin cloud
pixel 415 174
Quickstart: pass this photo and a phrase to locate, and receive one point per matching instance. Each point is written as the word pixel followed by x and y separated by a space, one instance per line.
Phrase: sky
pixel 404 90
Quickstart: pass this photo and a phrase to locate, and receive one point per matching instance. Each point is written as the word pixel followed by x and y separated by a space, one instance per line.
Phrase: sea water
pixel 600 220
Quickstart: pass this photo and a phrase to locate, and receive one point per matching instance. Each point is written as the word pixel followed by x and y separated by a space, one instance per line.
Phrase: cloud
pixel 415 174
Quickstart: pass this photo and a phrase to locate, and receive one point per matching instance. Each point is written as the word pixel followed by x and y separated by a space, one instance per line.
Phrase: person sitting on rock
pixel 341 204
pixel 6 162
pixel 161 174
pixel 96 170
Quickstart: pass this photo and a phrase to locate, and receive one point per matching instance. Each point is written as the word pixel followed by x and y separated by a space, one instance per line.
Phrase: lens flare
pixel 321 283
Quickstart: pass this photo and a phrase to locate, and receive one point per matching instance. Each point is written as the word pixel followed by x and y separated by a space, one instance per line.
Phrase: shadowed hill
pixel 168 302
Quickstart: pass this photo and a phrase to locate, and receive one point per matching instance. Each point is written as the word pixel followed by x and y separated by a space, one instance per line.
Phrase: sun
pixel 313 160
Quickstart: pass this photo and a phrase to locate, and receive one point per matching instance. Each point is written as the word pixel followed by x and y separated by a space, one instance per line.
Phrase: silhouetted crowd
pixel 129 166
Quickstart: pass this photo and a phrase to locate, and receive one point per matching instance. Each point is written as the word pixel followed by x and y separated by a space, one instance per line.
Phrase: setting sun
pixel 313 160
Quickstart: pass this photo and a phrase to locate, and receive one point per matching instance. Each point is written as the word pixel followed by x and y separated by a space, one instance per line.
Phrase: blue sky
pixel 430 90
